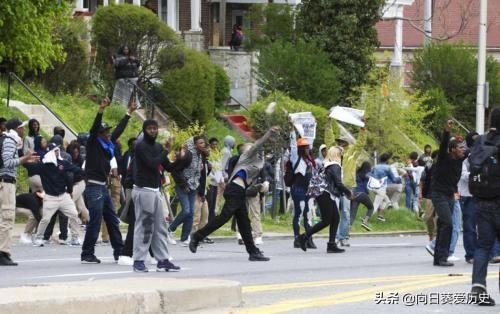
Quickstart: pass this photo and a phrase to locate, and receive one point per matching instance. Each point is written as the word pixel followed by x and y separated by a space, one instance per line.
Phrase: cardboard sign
pixel 305 123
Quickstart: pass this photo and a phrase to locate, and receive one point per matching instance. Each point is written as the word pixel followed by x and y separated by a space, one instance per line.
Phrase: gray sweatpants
pixel 150 225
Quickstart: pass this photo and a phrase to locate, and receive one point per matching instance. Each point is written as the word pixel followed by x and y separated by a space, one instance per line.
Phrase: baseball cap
pixel 15 123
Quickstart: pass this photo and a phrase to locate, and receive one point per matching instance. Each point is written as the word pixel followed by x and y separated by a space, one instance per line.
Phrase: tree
pixel 188 80
pixel 138 28
pixel 345 29
pixel 301 70
pixel 276 21
pixel 27 41
pixel 452 68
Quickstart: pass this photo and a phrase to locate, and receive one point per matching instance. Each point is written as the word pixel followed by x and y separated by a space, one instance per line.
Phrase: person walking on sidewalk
pixel 187 175
pixel 99 153
pixel 57 186
pixel 246 170
pixel 10 144
pixel 444 185
pixel 328 201
pixel 150 225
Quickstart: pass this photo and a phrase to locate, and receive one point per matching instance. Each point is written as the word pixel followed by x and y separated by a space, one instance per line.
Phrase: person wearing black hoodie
pixel 100 153
pixel 150 225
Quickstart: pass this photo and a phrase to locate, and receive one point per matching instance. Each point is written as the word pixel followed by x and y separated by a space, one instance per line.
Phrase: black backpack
pixel 289 176
pixel 484 178
pixel 2 139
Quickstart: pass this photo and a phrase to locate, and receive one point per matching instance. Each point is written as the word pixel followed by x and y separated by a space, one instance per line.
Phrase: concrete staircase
pixel 47 119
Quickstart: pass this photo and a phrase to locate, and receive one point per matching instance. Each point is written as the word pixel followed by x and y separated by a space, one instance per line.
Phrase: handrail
pixel 26 87
pixel 239 103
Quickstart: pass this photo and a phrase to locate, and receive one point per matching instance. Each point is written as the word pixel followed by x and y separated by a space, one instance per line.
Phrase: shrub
pixel 261 122
pixel 71 74
pixel 138 28
pixel 301 70
pixel 188 79
pixel 222 86
pixel 435 102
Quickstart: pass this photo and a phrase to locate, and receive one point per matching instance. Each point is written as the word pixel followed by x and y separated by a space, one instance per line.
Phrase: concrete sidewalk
pixel 131 295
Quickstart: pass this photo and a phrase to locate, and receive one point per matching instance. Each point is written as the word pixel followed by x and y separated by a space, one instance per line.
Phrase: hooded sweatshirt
pixel 226 153
pixel 149 155
pixel 319 161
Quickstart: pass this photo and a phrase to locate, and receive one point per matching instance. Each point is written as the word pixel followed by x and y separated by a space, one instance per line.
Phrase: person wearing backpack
pixel 10 143
pixel 487 205
pixel 444 185
pixel 302 167
pixel 328 201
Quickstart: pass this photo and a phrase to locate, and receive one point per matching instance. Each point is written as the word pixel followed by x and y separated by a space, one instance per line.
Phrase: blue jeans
pixel 488 229
pixel 468 205
pixel 455 220
pixel 185 217
pixel 495 251
pixel 100 206
pixel 345 214
pixel 408 194
pixel 301 208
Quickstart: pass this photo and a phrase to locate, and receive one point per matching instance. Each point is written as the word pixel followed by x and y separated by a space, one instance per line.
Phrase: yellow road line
pixel 352 296
pixel 313 284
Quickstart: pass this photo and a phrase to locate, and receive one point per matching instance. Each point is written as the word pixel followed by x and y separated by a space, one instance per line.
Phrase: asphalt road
pixel 376 274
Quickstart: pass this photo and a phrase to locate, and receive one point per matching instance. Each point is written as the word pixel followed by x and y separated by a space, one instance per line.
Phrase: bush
pixel 301 70
pixel 435 102
pixel 188 79
pixel 71 74
pixel 261 122
pixel 138 28
pixel 452 68
pixel 222 86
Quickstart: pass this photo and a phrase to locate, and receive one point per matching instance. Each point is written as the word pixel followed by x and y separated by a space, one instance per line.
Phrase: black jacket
pixel 491 204
pixel 126 67
pixel 333 175
pixel 97 160
pixel 55 180
pixel 148 157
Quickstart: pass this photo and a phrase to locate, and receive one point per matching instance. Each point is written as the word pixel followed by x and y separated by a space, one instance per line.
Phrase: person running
pixel 382 172
pixel 99 153
pixel 361 195
pixel 10 144
pixel 57 187
pixel 246 170
pixel 30 205
pixel 444 186
pixel 328 201
pixel 150 225
pixel 302 168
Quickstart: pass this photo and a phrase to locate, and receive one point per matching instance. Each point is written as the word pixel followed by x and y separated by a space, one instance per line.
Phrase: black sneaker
pixel 257 256
pixel 139 267
pixel 333 248
pixel 481 297
pixel 5 260
pixel 444 264
pixel 193 245
pixel 240 242
pixel 90 260
pixel 303 242
pixel 310 244
pixel 166 265
pixel 296 243
pixel 365 225
pixel 381 218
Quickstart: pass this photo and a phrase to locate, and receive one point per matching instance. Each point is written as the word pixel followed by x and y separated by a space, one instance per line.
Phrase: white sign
pixel 305 123
pixel 348 115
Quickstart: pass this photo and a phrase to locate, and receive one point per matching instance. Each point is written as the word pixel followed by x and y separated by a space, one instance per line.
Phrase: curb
pixel 133 295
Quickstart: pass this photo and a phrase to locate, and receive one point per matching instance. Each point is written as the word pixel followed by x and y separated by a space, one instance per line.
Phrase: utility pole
pixel 427 22
pixel 481 69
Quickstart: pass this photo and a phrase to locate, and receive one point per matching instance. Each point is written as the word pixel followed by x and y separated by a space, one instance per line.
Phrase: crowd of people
pixel 91 183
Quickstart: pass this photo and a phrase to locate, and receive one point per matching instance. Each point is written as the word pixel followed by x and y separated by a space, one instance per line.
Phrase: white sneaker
pixel 125 261
pixel 38 242
pixel 430 249
pixel 453 258
pixel 75 242
pixel 170 239
pixel 258 241
pixel 25 239
pixel 150 260
pixel 184 243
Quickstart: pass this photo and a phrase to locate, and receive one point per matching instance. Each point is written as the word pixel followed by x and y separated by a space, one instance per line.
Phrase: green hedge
pixel 222 86
pixel 188 79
